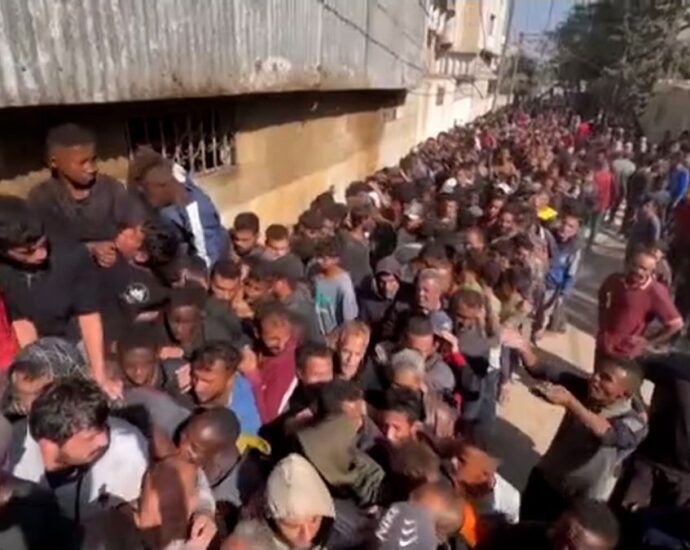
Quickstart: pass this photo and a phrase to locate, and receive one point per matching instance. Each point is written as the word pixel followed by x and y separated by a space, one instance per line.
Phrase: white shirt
pixel 506 500
pixel 115 478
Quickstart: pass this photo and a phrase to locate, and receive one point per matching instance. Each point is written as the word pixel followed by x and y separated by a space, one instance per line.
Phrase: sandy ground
pixel 526 424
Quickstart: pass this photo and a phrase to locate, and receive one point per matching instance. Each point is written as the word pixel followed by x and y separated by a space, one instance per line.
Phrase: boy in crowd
pixel 137 353
pixel 565 255
pixel 334 294
pixel 77 202
pixel 384 300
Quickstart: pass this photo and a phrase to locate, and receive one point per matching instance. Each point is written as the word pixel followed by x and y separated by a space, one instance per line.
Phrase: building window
pixel 440 95
pixel 200 141
pixel 389 114
pixel 492 24
pixel 491 88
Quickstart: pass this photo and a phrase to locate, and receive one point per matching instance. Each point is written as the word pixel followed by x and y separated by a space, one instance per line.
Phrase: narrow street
pixel 526 423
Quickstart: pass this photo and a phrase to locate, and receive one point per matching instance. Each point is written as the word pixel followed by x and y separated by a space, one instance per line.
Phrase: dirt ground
pixel 526 424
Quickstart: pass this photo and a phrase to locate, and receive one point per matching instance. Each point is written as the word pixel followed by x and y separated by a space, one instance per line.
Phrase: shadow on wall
pixel 22 151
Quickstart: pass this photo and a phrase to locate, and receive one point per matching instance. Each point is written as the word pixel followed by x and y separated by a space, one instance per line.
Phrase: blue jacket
pixel 678 182
pixel 243 405
pixel 565 261
pixel 199 223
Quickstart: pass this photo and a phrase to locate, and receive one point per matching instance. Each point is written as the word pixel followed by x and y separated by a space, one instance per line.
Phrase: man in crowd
pixel 50 287
pixel 347 372
pixel 72 445
pixel 628 302
pixel 600 429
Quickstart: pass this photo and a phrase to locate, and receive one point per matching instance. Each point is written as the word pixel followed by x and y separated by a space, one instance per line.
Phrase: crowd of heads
pixel 333 384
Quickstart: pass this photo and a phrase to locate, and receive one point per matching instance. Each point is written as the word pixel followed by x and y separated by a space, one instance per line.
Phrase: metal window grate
pixel 440 95
pixel 389 114
pixel 198 141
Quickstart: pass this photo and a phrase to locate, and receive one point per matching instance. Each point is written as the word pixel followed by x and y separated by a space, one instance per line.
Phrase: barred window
pixel 389 114
pixel 201 141
pixel 440 95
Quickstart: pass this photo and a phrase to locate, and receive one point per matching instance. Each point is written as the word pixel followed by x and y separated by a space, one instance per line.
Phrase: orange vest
pixel 468 529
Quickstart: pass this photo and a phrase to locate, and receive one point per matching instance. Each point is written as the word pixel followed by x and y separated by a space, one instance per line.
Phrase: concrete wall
pixel 289 147
pixel 480 25
pixel 457 107
pixel 282 167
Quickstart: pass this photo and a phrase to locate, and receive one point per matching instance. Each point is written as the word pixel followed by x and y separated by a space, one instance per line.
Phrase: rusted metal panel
pixel 95 51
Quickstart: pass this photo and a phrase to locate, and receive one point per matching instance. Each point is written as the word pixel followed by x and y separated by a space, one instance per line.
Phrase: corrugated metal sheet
pixel 93 51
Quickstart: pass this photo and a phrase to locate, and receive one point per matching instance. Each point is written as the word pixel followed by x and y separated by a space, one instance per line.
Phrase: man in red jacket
pixel 603 196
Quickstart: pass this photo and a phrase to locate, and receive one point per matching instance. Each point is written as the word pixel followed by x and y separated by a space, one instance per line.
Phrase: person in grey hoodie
pixel 298 511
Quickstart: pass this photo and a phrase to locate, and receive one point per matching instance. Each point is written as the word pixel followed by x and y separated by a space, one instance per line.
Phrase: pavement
pixel 526 424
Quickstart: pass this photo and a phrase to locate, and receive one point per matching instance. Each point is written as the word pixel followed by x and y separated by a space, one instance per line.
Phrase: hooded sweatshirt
pixel 294 489
pixel 331 446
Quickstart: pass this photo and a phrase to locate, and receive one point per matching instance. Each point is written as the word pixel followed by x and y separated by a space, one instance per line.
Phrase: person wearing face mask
pixel 299 510
pixel 629 302
pixel 599 430
pixel 50 288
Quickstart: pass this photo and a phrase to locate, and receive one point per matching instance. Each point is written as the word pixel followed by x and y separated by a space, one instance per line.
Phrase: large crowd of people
pixel 170 383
